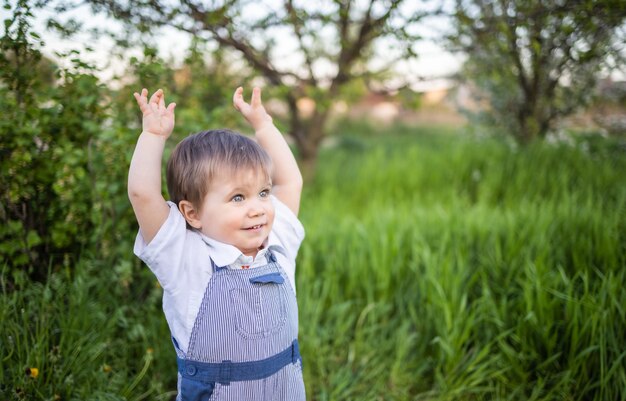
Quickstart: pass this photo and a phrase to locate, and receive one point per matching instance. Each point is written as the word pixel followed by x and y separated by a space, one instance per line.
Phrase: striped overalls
pixel 243 345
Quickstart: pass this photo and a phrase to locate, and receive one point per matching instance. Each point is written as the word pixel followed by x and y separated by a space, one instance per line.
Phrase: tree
pixel 330 43
pixel 537 60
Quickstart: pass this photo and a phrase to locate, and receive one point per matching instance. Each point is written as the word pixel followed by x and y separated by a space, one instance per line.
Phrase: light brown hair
pixel 197 159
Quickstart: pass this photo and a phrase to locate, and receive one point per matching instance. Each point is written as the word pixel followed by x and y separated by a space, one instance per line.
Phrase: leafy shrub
pixel 46 136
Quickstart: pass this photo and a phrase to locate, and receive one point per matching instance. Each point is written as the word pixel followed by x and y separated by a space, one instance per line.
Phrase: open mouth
pixel 258 226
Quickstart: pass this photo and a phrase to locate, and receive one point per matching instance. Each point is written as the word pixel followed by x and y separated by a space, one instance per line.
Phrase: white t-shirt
pixel 181 260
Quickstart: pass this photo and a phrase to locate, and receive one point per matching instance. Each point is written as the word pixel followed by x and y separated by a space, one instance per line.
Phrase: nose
pixel 256 209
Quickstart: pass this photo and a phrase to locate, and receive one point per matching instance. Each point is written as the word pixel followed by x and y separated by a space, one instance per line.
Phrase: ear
pixel 190 213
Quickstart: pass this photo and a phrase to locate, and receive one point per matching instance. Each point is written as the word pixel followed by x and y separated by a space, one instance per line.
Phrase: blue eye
pixel 265 193
pixel 237 198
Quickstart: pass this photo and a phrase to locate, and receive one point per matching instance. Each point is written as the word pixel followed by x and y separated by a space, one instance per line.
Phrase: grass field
pixel 436 266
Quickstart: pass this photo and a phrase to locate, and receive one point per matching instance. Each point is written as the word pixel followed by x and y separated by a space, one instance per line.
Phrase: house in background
pixel 437 104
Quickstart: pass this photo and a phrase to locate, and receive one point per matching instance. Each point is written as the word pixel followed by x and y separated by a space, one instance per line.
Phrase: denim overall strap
pixel 243 345
pixel 227 371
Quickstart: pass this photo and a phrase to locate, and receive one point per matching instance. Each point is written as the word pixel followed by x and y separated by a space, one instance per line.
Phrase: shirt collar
pixel 228 255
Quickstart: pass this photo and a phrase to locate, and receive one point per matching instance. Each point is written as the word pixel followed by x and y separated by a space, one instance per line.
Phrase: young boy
pixel 224 250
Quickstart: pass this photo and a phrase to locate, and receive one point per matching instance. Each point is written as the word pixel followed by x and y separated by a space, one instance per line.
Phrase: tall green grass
pixel 435 267
pixel 452 268
pixel 92 334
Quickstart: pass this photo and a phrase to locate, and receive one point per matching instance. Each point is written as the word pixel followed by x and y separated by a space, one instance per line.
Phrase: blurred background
pixel 465 195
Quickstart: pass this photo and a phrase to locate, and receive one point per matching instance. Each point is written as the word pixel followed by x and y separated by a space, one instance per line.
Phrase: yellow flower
pixel 149 351
pixel 106 368
pixel 32 372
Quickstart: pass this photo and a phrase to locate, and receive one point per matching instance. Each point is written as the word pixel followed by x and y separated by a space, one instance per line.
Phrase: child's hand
pixel 254 112
pixel 157 119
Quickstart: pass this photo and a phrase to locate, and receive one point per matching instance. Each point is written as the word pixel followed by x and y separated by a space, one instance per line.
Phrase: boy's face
pixel 238 210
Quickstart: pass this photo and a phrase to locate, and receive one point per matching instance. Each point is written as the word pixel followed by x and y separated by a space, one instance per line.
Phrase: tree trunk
pixel 308 134
pixel 528 115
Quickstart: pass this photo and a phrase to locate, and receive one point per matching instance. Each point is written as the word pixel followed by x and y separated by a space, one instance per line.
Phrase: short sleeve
pixel 164 255
pixel 288 229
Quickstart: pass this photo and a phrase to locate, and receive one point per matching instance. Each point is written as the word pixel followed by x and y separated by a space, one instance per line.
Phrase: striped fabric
pixel 246 315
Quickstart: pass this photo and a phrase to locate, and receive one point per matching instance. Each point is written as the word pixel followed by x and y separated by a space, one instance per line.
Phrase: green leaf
pixel 32 239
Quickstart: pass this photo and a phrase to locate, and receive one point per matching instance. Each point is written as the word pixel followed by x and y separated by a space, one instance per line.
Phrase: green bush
pixel 46 136
pixel 66 141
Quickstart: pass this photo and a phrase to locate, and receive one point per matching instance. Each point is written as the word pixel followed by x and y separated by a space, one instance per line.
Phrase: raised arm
pixel 286 180
pixel 144 174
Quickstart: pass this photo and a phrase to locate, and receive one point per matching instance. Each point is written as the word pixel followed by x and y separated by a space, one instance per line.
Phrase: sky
pixel 433 63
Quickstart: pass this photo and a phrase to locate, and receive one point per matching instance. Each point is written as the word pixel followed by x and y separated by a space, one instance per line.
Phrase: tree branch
pixel 297 23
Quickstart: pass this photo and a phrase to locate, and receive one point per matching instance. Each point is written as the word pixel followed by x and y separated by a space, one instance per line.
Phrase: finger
pixel 141 101
pixel 162 102
pixel 238 98
pixel 256 97
pixel 170 108
pixel 237 94
pixel 141 98
pixel 155 96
